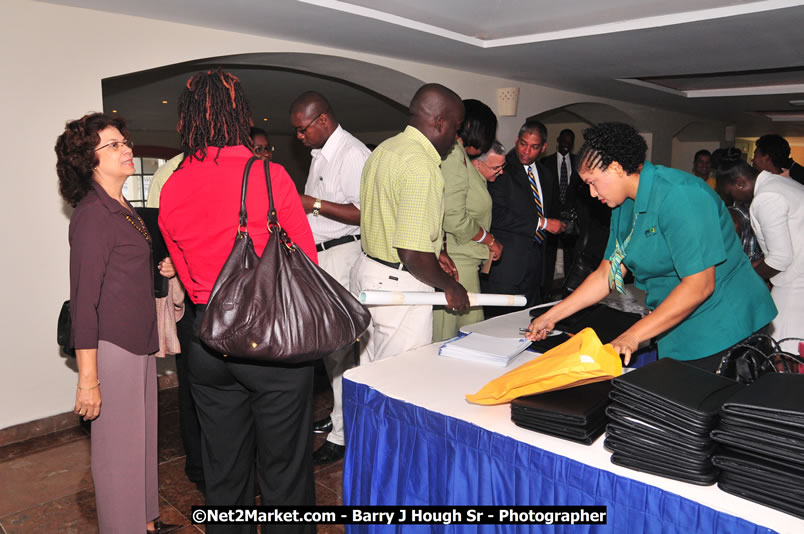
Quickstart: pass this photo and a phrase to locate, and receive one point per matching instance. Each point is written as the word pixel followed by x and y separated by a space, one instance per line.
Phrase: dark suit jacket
pixel 574 189
pixel 514 219
pixel 797 173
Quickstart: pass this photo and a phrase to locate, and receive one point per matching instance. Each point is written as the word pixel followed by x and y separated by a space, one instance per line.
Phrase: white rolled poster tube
pixel 412 298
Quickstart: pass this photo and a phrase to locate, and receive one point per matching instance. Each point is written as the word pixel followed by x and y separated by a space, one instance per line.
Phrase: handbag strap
pixel 243 221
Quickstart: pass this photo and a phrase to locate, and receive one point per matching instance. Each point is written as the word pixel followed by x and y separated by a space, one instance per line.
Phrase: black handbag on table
pixel 282 307
pixel 757 355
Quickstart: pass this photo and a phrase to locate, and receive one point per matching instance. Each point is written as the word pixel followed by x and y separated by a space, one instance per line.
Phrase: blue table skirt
pixel 401 454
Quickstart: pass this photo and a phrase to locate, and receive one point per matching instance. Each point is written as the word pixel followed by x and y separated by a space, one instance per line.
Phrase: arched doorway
pixel 369 100
pixel 577 117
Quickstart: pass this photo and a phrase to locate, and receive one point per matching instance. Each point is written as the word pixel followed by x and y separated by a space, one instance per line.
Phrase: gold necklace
pixel 141 228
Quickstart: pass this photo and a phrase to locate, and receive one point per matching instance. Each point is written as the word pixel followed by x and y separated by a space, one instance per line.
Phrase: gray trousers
pixel 124 455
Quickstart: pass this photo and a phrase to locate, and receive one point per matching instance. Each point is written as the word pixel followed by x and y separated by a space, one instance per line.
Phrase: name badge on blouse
pixel 650 231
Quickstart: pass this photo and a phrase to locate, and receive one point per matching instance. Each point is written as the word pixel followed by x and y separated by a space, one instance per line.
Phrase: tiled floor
pixel 46 486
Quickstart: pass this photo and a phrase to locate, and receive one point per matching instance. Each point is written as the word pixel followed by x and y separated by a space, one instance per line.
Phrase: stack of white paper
pixel 486 349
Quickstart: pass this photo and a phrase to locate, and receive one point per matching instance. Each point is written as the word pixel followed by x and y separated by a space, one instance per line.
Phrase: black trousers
pixel 567 244
pixel 188 419
pixel 256 420
pixel 518 272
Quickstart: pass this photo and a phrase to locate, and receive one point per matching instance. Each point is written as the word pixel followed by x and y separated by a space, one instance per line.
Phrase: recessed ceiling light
pixel 164 101
pixel 114 111
pixel 265 119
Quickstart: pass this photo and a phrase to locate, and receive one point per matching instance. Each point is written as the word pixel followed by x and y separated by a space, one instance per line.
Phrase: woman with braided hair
pixel 256 419
pixel 675 235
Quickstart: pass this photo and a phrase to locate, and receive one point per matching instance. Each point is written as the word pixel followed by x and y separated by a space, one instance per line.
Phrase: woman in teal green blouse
pixel 467 213
pixel 675 235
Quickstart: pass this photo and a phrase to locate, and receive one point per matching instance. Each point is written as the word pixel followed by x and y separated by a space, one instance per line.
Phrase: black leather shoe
pixel 323 426
pixel 162 528
pixel 328 453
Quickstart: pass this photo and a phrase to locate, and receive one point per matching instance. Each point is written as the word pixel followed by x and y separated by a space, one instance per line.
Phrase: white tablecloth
pixel 440 384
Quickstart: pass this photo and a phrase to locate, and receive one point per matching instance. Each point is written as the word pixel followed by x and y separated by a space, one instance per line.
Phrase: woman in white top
pixel 777 217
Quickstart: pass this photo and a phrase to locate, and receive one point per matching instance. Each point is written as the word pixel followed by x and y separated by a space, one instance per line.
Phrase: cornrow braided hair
pixel 213 112
pixel 613 141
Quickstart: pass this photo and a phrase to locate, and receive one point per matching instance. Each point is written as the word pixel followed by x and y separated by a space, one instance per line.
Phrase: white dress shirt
pixel 335 177
pixel 559 159
pixel 777 217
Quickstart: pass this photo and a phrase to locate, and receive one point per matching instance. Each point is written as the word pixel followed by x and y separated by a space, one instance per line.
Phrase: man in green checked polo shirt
pixel 402 208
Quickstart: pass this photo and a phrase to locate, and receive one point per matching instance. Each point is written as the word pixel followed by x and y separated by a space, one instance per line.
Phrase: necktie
pixel 563 180
pixel 537 198
pixel 616 259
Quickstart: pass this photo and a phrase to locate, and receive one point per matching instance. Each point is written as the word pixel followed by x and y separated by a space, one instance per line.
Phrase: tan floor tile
pixel 326 497
pixel 331 477
pixel 44 476
pixel 169 514
pixel 75 514
pixel 169 437
pixel 176 488
pixel 72 514
pixel 53 484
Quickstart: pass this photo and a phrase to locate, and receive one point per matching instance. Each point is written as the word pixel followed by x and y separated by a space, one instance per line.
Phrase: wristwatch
pixel 316 207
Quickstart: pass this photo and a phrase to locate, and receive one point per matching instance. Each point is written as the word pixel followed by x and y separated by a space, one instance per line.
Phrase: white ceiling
pixel 578 45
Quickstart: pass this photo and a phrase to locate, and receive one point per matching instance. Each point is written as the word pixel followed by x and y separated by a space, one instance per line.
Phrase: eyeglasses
pixel 496 169
pixel 117 145
pixel 303 131
pixel 259 149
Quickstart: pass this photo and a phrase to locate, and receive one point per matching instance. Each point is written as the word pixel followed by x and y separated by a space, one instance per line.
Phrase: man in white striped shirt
pixel 332 201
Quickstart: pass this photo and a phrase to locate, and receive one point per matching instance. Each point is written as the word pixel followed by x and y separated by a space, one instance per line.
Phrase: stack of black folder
pixel 761 431
pixel 661 418
pixel 607 323
pixel 577 414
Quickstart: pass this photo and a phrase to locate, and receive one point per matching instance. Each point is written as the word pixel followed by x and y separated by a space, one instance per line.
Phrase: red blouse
pixel 198 214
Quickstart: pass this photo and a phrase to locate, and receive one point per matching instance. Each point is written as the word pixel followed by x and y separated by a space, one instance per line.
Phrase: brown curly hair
pixel 75 153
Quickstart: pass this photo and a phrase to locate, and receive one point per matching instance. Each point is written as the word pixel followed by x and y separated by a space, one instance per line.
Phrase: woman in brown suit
pixel 114 322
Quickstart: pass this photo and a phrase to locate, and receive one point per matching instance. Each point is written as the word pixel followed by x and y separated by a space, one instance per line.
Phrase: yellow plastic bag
pixel 580 360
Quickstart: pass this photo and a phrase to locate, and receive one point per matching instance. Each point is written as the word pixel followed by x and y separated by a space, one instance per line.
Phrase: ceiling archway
pixel 366 97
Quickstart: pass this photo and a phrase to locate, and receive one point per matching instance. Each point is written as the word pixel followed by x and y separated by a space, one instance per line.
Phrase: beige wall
pixel 54 59
pixel 684 152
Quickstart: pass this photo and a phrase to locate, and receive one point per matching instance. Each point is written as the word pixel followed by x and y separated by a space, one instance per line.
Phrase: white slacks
pixel 338 263
pixel 394 329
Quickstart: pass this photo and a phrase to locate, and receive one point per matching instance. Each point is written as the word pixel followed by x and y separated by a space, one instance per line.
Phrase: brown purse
pixel 282 307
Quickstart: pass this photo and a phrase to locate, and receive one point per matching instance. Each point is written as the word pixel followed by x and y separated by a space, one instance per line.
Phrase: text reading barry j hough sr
pixel 400 515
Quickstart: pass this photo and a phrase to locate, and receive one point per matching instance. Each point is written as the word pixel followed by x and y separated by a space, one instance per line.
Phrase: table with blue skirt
pixel 413 439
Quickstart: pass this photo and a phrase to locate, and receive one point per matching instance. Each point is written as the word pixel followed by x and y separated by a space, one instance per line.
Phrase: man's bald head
pixel 310 102
pixel 313 119
pixel 437 112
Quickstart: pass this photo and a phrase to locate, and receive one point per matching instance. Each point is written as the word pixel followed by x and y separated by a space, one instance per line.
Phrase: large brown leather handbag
pixel 282 307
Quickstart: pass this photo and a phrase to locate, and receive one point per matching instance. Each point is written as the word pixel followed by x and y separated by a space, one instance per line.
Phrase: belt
pixel 392 265
pixel 321 247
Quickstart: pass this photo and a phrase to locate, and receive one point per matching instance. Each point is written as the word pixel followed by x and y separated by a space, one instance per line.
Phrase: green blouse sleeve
pixel 457 220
